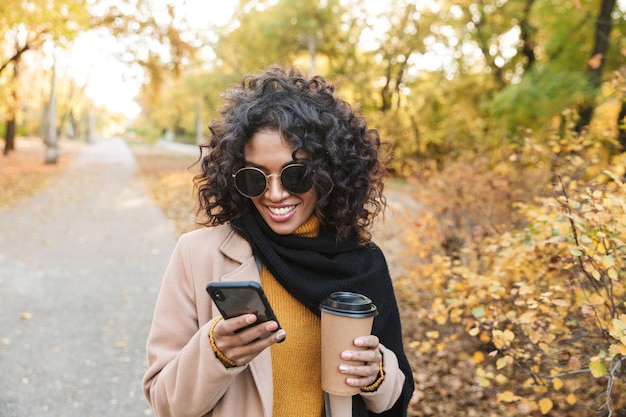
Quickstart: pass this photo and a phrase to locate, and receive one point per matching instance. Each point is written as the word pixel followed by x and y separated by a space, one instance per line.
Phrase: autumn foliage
pixel 520 278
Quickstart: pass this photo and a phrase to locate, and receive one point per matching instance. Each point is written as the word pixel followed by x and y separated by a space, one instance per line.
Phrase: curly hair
pixel 342 152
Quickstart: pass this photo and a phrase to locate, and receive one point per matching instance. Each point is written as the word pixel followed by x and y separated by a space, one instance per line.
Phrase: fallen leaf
pixel 545 405
pixel 26 315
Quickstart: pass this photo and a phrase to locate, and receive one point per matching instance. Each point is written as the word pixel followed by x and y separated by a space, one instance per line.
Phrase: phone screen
pixel 237 301
pixel 241 297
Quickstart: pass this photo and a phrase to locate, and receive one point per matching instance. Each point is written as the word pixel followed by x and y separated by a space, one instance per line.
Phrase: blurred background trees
pixel 28 27
pixel 440 78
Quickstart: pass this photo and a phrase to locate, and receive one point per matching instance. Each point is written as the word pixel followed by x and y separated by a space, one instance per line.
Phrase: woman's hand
pixel 369 354
pixel 243 346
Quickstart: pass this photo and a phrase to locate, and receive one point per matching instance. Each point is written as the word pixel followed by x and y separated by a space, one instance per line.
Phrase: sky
pixel 109 82
pixel 93 60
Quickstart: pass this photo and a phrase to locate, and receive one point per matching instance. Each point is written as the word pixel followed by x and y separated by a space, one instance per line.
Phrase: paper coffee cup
pixel 345 316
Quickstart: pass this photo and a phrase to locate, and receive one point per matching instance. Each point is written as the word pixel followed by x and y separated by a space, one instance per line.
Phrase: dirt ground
pixel 23 172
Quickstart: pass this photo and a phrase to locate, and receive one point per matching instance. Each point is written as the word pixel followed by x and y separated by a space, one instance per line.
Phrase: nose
pixel 275 190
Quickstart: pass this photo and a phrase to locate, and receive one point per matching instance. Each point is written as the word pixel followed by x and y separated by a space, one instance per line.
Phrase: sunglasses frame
pixel 267 179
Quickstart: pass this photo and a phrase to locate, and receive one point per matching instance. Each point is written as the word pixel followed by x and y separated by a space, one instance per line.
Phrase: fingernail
pixel 280 335
pixel 346 355
pixel 251 319
pixel 343 368
pixel 358 342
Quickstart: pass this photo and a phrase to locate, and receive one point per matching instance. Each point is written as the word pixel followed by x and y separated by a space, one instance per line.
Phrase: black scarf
pixel 312 268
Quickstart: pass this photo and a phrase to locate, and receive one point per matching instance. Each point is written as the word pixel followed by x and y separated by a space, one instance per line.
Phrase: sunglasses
pixel 252 182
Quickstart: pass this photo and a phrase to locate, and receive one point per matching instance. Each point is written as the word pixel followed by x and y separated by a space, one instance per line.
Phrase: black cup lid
pixel 349 303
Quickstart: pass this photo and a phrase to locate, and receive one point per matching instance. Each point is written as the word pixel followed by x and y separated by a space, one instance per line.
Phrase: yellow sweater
pixel 296 361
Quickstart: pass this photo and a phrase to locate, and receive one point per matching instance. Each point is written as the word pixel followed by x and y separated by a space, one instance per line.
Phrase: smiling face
pixel 283 211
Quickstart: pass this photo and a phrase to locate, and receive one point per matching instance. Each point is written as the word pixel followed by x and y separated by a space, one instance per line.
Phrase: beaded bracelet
pixel 226 361
pixel 381 376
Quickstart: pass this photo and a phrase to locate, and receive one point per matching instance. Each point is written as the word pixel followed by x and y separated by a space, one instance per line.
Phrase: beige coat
pixel 184 377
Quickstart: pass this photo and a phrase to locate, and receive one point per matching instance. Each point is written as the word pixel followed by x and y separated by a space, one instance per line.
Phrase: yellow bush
pixel 545 301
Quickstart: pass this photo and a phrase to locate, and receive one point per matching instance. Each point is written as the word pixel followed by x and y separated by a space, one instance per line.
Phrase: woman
pixel 291 180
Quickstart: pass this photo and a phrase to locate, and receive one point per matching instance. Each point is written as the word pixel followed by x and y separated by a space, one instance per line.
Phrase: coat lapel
pixel 238 249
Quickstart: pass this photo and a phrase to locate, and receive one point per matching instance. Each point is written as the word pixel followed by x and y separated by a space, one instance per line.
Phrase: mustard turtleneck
pixel 296 361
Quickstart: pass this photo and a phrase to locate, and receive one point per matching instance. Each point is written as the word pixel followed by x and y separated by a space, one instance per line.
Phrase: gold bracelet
pixel 226 361
pixel 379 380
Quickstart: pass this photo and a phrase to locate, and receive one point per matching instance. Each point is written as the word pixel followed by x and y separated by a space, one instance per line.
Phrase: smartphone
pixel 241 297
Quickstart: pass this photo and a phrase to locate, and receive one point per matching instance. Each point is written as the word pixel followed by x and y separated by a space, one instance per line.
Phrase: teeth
pixel 281 211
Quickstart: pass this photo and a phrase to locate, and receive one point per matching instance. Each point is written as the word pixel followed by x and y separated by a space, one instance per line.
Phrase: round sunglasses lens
pixel 296 180
pixel 250 182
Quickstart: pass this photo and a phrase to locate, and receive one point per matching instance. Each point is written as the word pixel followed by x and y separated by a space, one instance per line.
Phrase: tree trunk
pixel 11 116
pixel 199 127
pixel 596 60
pixel 52 152
pixel 528 36
pixel 621 126
pixel 9 136
pixel 385 92
pixel 312 47
pixel 91 135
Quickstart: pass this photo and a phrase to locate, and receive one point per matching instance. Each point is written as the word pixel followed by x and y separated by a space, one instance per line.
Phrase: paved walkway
pixel 80 268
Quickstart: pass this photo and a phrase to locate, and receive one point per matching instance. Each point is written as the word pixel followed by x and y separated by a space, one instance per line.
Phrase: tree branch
pixel 16 57
pixel 606 407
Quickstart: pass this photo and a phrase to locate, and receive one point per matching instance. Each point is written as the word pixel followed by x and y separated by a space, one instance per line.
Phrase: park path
pixel 80 268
